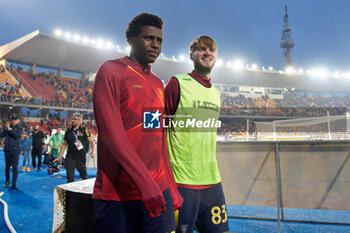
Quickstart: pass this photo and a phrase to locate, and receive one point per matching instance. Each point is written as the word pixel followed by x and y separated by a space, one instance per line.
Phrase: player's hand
pixel 153 201
pixel 56 160
pixel 7 125
pixel 92 154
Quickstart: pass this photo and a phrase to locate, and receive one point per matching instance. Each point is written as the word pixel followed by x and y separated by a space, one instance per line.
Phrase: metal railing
pixel 313 176
pixel 24 83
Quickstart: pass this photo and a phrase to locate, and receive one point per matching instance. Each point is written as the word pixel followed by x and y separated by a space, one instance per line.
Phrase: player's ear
pixel 131 41
pixel 191 56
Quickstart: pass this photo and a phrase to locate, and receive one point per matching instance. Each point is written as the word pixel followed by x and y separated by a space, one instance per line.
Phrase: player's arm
pixel 50 143
pixel 59 146
pixel 15 133
pixel 63 148
pixel 172 97
pixel 3 133
pixel 106 101
pixel 92 154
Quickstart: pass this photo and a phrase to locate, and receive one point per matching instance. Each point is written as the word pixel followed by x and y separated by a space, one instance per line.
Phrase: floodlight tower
pixel 287 42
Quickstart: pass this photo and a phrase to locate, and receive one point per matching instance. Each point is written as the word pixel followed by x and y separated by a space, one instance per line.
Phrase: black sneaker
pixel 6 184
pixel 14 187
pixel 39 169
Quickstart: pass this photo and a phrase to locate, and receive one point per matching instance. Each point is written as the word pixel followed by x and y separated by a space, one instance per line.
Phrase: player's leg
pixel 188 213
pixel 165 223
pixel 14 164
pixel 212 215
pixel 109 216
pixel 81 167
pixel 69 166
pixel 34 151
pixel 121 217
pixel 7 167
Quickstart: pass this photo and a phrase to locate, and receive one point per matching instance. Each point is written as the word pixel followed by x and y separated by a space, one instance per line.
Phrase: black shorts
pixel 132 217
pixel 204 209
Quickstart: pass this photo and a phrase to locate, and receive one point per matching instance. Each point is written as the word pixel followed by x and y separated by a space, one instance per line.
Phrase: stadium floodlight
pixel 219 62
pixel 263 67
pixel 237 65
pixel 270 68
pixel 344 74
pixel 182 57
pixel 162 54
pixel 319 72
pixel 58 32
pixel 173 57
pixel 86 40
pixel 336 74
pixel 100 43
pixel 308 71
pixel 109 45
pixel 300 71
pixel 289 70
pixel 67 35
pixel 229 64
pixel 128 49
pixel 254 67
pixel 76 37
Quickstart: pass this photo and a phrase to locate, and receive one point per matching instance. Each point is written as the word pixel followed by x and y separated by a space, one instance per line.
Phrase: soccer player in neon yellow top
pixel 194 105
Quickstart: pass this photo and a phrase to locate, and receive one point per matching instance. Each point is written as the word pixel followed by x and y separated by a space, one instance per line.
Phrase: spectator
pixel 37 146
pixel 77 139
pixel 12 133
pixel 26 147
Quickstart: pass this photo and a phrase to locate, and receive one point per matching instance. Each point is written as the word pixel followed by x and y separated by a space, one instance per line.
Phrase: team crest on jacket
pixel 160 92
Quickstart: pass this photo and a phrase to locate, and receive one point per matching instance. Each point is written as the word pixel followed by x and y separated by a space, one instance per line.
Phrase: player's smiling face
pixel 147 45
pixel 204 58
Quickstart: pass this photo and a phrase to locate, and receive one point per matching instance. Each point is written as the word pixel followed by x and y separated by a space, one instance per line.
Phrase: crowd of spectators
pixel 292 105
pixel 77 93
pixel 69 92
pixel 2 69
pixel 11 92
pixel 237 127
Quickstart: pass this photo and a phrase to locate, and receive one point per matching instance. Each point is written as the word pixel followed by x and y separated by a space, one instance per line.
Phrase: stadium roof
pixel 51 51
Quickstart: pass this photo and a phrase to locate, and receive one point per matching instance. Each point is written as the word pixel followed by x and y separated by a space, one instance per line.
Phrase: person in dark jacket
pixel 77 139
pixel 12 133
pixel 37 149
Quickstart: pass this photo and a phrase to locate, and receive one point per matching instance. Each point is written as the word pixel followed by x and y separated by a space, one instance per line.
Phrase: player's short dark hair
pixel 143 19
pixel 207 40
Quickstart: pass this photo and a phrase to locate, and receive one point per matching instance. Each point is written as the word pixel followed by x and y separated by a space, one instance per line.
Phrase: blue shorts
pixel 132 217
pixel 204 209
